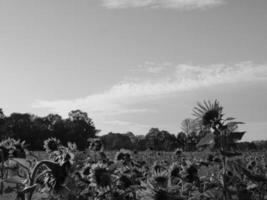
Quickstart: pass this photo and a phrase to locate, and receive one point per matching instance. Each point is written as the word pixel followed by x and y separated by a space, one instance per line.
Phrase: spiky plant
pixel 209 113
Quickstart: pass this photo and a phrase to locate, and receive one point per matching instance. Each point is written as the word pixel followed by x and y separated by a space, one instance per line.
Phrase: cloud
pixel 122 126
pixel 171 4
pixel 127 96
pixel 152 68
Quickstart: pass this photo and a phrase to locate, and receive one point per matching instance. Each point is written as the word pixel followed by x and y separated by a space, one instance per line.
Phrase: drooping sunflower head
pixel 51 144
pixel 100 176
pixel 208 113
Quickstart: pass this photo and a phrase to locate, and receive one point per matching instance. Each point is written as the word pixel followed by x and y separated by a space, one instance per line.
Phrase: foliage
pixel 33 129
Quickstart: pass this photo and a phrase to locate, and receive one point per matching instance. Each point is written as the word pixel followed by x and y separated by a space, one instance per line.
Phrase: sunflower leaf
pixel 207 140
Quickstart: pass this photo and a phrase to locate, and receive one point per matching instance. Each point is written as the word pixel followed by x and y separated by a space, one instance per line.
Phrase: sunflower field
pixel 63 172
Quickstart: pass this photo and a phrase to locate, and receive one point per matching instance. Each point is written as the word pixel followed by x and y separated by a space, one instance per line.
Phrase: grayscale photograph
pixel 133 99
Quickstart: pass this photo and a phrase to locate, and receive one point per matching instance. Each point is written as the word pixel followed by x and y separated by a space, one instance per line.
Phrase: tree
pixel 191 128
pixel 78 128
pixel 2 115
pixel 116 141
pixel 181 139
pixel 78 115
pixel 160 140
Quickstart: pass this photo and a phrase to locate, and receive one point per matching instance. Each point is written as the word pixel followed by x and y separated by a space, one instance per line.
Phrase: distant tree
pixel 2 123
pixel 20 125
pixel 78 128
pixel 160 140
pixel 2 115
pixel 191 128
pixel 181 139
pixel 52 120
pixel 140 143
pixel 116 141
pixel 132 137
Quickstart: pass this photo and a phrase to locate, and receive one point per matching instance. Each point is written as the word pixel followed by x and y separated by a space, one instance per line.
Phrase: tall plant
pixel 223 132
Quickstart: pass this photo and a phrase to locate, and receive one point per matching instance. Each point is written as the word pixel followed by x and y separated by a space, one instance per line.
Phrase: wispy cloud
pixel 173 4
pixel 124 97
pixel 122 126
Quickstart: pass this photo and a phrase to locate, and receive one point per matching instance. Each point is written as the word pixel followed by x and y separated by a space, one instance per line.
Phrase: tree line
pixel 78 128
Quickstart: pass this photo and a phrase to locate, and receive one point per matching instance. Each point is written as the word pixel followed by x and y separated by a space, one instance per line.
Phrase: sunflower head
pixel 178 152
pixel 4 153
pixel 159 179
pixel 95 144
pixel 100 176
pixel 8 143
pixel 20 150
pixel 174 170
pixel 157 167
pixel 7 147
pixel 162 194
pixel 158 194
pixel 123 156
pixel 124 182
pixel 190 174
pixel 208 113
pixel 85 171
pixel 51 144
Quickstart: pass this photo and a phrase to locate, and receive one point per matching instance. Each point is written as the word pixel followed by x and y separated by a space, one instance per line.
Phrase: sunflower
pixel 124 156
pixel 51 144
pixel 154 193
pixel 190 174
pixel 20 149
pixel 83 174
pixel 178 154
pixel 9 143
pixel 159 179
pixel 85 171
pixel 4 154
pixel 100 176
pixel 174 170
pixel 208 113
pixel 124 182
pixel 157 167
pixel 72 146
pixel 95 144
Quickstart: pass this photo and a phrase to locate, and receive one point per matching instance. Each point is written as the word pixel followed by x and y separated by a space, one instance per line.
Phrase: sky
pixel 135 64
